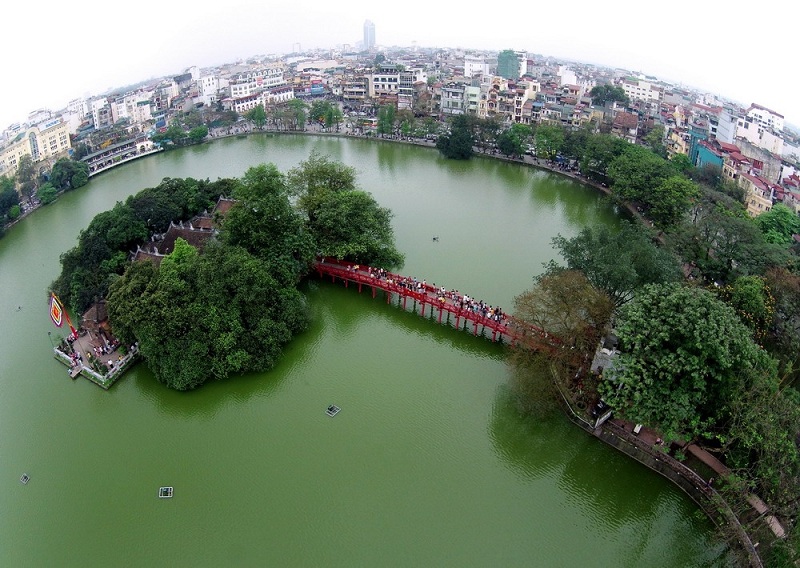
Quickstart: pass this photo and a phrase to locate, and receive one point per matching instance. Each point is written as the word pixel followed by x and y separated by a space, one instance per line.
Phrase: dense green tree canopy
pixel 686 359
pixel 8 195
pixel 618 261
pixel 103 247
pixel 386 119
pixel 47 193
pixel 670 200
pixel 258 116
pixel 26 176
pixel 514 140
pixel 457 145
pixel 204 317
pixel 778 224
pixel 549 141
pixel 602 94
pixel 313 179
pixel 345 223
pixel 351 225
pixel 723 245
pixel 636 172
pixel 264 223
pixel 69 174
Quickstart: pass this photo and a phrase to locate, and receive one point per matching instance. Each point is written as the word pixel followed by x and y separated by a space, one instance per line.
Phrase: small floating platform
pixel 332 410
pixel 25 478
pixel 164 492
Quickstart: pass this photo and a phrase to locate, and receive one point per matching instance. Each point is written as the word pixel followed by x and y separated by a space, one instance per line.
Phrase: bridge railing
pixel 517 331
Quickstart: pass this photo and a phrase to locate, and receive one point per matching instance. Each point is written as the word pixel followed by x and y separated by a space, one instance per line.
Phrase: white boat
pixel 164 492
pixel 332 410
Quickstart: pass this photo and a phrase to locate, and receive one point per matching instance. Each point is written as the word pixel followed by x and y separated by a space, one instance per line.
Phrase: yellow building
pixel 759 195
pixel 47 140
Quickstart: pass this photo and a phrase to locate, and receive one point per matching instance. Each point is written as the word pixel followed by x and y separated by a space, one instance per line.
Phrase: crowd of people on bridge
pixel 461 301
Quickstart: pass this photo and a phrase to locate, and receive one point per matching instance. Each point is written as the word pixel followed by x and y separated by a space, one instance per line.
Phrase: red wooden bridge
pixel 481 317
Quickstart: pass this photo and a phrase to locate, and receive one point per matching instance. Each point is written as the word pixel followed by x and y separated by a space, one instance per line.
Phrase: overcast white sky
pixel 55 52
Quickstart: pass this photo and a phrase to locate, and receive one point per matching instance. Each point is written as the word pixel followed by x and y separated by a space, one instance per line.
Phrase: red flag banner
pixel 56 311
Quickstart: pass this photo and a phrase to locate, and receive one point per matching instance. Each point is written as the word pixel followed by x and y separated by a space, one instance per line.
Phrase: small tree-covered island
pixel 230 305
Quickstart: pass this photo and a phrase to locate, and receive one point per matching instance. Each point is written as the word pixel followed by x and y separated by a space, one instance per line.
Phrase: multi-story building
pixel 511 64
pixel 208 87
pixel 48 140
pixel 251 82
pixel 475 65
pixel 369 35
pixel 758 193
pixel 385 81
pixel 764 117
pixel 641 90
pixel 452 101
pixel 355 87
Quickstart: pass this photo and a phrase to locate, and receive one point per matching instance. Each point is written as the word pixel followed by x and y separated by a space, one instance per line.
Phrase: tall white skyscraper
pixel 369 35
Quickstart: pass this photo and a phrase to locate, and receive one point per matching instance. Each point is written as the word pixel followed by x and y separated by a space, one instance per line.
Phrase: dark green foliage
pixel 457 145
pixel 177 135
pixel 686 359
pixel 351 225
pixel 209 316
pixel 723 245
pixel 103 247
pixel 636 172
pixel 602 94
pixel 8 196
pixel 26 176
pixel 549 141
pixel 69 174
pixel 47 193
pixel 600 152
pixel 257 116
pixel 264 223
pixel 618 262
pixel 386 119
pixel 778 224
pixel 344 222
pixel 514 140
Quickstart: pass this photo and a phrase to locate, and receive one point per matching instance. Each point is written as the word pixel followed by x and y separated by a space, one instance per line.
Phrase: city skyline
pixel 102 54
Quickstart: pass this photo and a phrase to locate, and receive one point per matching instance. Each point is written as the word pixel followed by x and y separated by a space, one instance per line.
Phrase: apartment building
pixel 47 140
pixel 758 192
pixel 641 90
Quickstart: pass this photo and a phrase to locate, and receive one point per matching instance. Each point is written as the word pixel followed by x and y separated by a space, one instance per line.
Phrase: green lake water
pixel 427 464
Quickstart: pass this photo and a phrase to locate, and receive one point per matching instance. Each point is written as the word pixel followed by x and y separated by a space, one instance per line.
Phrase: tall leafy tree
pixel 778 224
pixel 263 222
pixel 636 172
pixel 386 118
pixel 669 201
pixel 514 140
pixel 295 115
pixel 457 145
pixel 69 174
pixel 602 94
pixel 573 313
pixel 351 225
pixel 312 179
pixel 204 317
pixel 549 141
pixel 618 261
pixel 686 360
pixel 8 195
pixel 26 176
pixel 258 116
